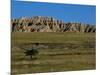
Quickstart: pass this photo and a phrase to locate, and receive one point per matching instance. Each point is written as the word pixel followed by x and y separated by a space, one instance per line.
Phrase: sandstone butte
pixel 48 24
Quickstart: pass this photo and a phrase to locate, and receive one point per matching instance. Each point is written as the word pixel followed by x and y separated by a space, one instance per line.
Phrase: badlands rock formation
pixel 48 24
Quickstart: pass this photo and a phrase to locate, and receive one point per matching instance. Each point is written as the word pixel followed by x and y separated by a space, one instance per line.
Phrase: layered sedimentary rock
pixel 48 24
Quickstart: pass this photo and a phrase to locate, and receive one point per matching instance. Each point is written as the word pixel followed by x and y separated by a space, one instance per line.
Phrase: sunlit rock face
pixel 48 24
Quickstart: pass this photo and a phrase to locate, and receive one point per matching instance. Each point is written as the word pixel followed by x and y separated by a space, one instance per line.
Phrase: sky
pixel 85 14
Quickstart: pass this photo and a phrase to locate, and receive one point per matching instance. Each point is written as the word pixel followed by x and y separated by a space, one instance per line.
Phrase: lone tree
pixel 32 52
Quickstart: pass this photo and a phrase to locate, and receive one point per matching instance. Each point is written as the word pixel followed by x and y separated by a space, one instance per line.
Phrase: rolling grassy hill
pixel 62 52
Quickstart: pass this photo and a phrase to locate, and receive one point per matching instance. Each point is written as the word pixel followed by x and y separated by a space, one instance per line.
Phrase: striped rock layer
pixel 48 24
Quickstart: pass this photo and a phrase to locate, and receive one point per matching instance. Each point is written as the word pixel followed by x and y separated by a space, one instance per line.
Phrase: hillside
pixel 57 52
pixel 48 24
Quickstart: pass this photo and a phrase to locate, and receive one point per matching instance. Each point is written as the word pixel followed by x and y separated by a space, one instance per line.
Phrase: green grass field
pixel 65 52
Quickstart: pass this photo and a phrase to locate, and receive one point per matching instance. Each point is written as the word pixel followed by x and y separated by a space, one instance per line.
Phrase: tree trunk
pixel 31 57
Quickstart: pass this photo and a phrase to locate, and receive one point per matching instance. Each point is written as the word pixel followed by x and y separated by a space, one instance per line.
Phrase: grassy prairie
pixel 65 52
pixel 44 37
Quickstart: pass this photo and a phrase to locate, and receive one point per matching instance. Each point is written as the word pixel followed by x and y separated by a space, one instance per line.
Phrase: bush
pixel 31 53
